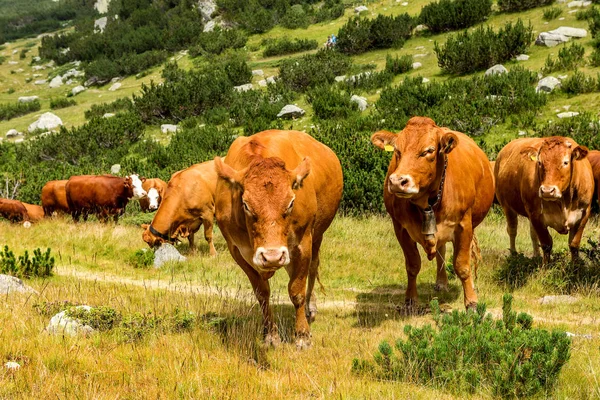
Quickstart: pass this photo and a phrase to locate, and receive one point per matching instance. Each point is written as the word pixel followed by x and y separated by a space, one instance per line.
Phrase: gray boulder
pixel 559 299
pixel 10 284
pixel 340 78
pixel 115 169
pixel 573 4
pixel 550 39
pixel 361 101
pixel 72 73
pixel 417 65
pixel 62 324
pixel 360 9
pixel 100 24
pixel 209 26
pixel 258 72
pixel 114 86
pixel 522 57
pixel 77 89
pixel 207 8
pixel 243 88
pixel 291 111
pixel 547 84
pixel 271 79
pixel 420 28
pixel 12 133
pixel 56 82
pixel 567 114
pixel 569 32
pixel 108 115
pixel 40 82
pixel 38 67
pixel 102 6
pixel 496 69
pixel 46 121
pixel 262 83
pixel 165 253
pixel 168 128
pixel 28 99
pixel 20 140
pixel 13 62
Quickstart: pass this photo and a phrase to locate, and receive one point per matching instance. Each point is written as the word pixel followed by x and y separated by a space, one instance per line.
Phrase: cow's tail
pixel 475 253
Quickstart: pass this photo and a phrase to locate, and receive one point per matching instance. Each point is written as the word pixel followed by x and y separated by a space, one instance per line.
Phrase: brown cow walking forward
pixel 188 204
pixel 273 205
pixel 54 197
pixel 13 210
pixel 103 195
pixel 549 181
pixel 439 187
pixel 155 189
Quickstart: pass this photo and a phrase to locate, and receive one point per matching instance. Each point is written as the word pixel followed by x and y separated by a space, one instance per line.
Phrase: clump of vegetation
pixel 520 5
pixel 367 81
pixel 579 83
pixel 98 110
pixel 361 34
pixel 569 58
pixel 468 52
pixel 552 13
pixel 280 46
pixel 451 15
pixel 471 352
pixel 51 308
pixel 219 40
pixel 313 70
pixel 328 102
pixel 142 258
pixel 12 110
pixel 40 265
pixel 398 65
pixel 583 128
pixel 100 318
pixel 61 102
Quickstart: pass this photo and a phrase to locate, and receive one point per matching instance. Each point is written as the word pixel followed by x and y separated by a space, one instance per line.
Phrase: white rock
pixel 578 4
pixel 13 63
pixel 361 101
pixel 209 26
pixel 56 82
pixel 40 82
pixel 563 77
pixel 425 80
pixel 584 336
pixel 114 86
pixel 420 28
pixel 547 84
pixel 102 6
pixel 567 114
pixel 15 51
pixel 28 99
pixel 18 71
pixel 522 57
pixel 10 284
pixel 12 366
pixel 360 9
pixel 404 4
pixel 108 115
pixel 262 83
pixel 417 65
pixel 558 299
pixel 72 73
pixel 13 133
pixel 166 252
pixel 20 140
pixel 207 8
pixel 570 32
pixel 291 111
pixel 420 55
pixel 46 121
pixel 115 169
pixel 522 133
pixel 496 69
pixel 77 89
pixel 168 128
pixel 100 24
pixel 36 59
pixel 243 88
pixel 561 19
pixel 550 39
pixel 340 78
pixel 61 324
pixel 420 48
pixel 271 79
pixel 258 72
pixel 38 67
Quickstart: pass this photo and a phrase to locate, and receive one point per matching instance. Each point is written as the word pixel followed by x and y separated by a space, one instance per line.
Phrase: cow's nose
pixel 400 180
pixel 272 257
pixel 549 191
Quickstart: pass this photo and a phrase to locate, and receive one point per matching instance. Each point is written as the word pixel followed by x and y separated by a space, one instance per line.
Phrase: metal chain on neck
pixel 441 188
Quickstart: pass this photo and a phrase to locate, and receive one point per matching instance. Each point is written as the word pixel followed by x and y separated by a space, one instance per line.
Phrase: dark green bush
pixel 100 318
pixel 451 15
pixel 130 64
pixel 12 110
pixel 313 70
pixel 583 128
pixel 360 34
pixel 98 110
pixel 471 352
pixel 552 13
pixel 61 102
pixel 569 57
pixel 142 258
pixel 368 81
pixel 579 83
pixel 40 265
pixel 398 65
pixel 295 17
pixel 219 40
pixel 520 5
pixel 329 102
pixel 469 52
pixel 280 46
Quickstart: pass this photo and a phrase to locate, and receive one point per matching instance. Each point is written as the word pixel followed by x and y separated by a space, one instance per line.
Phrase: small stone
pixel 262 83
pixel 10 284
pixel 209 26
pixel 61 324
pixel 522 57
pixel 12 133
pixel 13 63
pixel 243 88
pixel 360 9
pixel 340 78
pixel 567 114
pixel 114 86
pixel 19 140
pixel 77 89
pixel 258 72
pixel 547 84
pixel 420 48
pixel 168 128
pixel 558 299
pixel 417 65
pixel 361 101
pixel 108 115
pixel 291 111
pixel 46 121
pixel 100 24
pixel 496 69
pixel 12 366
pixel 420 55
pixel 28 99
pixel 420 28
pixel 56 82
pixel 522 133
pixel 425 80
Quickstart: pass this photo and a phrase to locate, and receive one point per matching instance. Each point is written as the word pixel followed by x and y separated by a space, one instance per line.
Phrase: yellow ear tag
pixel 533 157
pixel 389 147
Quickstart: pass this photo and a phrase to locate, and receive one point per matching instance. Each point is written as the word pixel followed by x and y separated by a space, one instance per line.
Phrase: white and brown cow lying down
pixel 549 181
pixel 188 203
pixel 155 192
pixel 439 187
pixel 273 205
pixel 103 195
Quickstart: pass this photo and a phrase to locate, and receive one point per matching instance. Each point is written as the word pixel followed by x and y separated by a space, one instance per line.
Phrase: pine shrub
pixel 219 40
pixel 40 265
pixel 583 128
pixel 328 102
pixel 579 83
pixel 9 111
pixel 368 81
pixel 61 102
pixel 520 5
pixel 569 58
pixel 398 65
pixel 98 110
pixel 552 13
pixel 359 34
pixel 451 15
pixel 470 352
pixel 313 70
pixel 281 46
pixel 296 17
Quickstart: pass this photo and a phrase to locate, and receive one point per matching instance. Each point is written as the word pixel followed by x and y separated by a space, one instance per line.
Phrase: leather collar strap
pixel 160 235
pixel 438 198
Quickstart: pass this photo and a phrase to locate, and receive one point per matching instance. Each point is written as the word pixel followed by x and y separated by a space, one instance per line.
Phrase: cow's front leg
pixel 207 221
pixel 262 291
pixel 413 263
pixel 298 271
pixel 575 235
pixel 463 237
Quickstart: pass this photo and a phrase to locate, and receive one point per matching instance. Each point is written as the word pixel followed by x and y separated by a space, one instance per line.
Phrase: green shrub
pixel 569 58
pixel 451 15
pixel 398 65
pixel 295 17
pixel 280 46
pixel 61 102
pixel 100 318
pixel 313 70
pixel 520 5
pixel 129 64
pixel 367 81
pixel 51 308
pixel 329 103
pixel 12 110
pixel 579 83
pixel 552 13
pixel 219 40
pixel 471 352
pixel 142 258
pixel 594 58
pixel 40 265
pixel 583 128
pixel 98 110
pixel 23 53
pixel 361 34
pixel 468 52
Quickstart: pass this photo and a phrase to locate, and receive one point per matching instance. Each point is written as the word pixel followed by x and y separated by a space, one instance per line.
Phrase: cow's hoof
pixel 441 287
pixel 303 342
pixel 272 340
pixel 471 306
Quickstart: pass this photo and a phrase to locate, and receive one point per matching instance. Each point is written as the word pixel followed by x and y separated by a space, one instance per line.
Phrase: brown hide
pixel 278 192
pixel 13 210
pixel 188 203
pixel 412 184
pixel 526 170
pixel 36 213
pixel 154 183
pixel 54 197
pixel 594 159
pixel 103 195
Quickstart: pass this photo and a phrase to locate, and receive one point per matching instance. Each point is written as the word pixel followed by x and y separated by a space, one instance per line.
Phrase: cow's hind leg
pixel 463 236
pixel 313 275
pixel 575 235
pixel 441 280
pixel 298 270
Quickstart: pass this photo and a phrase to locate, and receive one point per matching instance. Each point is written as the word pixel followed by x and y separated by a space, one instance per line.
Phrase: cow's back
pixel 594 159
pixel 89 191
pixel 54 196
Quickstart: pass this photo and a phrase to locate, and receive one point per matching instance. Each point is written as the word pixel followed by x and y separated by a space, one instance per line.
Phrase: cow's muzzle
pixel 402 185
pixel 272 257
pixel 550 192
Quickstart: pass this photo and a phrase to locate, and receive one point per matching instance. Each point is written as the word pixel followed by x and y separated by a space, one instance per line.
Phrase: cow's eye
pixel 566 162
pixel 246 208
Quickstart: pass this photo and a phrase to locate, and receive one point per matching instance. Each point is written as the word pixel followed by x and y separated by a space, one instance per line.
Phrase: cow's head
pixel 152 239
pixel 268 191
pixel 419 150
pixel 554 163
pixel 153 198
pixel 135 183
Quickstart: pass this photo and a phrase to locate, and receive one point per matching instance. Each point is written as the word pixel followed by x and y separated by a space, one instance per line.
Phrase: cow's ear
pixel 300 173
pixel 530 153
pixel 448 142
pixel 579 153
pixel 227 173
pixel 385 140
pixel 143 179
pixel 144 226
